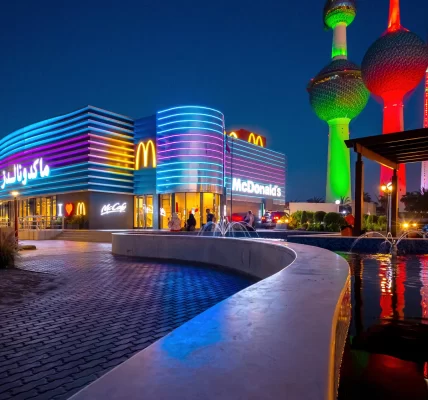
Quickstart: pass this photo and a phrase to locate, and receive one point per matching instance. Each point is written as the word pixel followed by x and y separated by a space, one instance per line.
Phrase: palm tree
pixel 315 200
pixel 344 200
pixel 367 197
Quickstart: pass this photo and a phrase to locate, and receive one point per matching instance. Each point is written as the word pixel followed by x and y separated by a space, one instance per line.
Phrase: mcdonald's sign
pixel 80 209
pixel 257 140
pixel 146 155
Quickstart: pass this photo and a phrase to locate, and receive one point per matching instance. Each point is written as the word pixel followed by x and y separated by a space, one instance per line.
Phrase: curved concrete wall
pixel 282 337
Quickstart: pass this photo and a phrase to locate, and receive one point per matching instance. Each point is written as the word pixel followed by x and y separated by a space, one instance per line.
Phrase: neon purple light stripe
pixel 255 165
pixel 190 141
pixel 201 156
pixel 190 148
pixel 11 159
pixel 277 172
pixel 218 137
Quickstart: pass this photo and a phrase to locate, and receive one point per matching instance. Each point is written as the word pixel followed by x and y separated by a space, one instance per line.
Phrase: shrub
pixel 382 220
pixel 310 215
pixel 319 216
pixel 372 219
pixel 8 250
pixel 296 217
pixel 333 221
pixel 304 218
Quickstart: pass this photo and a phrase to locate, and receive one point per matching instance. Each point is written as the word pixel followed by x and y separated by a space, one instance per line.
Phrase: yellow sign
pixel 234 135
pixel 143 158
pixel 80 209
pixel 257 140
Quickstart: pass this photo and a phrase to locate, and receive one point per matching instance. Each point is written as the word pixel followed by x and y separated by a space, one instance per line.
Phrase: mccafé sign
pixel 247 186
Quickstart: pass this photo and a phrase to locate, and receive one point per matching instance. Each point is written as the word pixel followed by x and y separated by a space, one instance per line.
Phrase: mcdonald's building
pixel 102 170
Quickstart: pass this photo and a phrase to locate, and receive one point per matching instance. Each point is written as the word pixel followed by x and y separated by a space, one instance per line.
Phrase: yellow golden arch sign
pixel 234 135
pixel 144 150
pixel 257 140
pixel 80 209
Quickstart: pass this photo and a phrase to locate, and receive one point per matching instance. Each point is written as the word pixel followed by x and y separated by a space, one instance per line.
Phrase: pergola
pixel 389 150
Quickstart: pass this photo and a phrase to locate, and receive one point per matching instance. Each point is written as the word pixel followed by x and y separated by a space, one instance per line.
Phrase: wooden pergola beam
pixel 371 155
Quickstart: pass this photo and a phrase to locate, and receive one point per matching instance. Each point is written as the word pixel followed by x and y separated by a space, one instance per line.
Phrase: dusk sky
pixel 250 59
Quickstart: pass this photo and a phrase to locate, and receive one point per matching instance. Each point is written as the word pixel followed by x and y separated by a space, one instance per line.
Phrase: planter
pixel 281 226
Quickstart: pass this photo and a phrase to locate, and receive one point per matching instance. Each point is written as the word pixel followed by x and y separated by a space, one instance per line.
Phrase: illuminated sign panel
pixel 250 187
pixel 81 209
pixel 23 175
pixel 147 149
pixel 113 209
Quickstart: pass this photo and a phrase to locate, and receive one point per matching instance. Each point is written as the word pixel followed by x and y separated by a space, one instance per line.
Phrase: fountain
pixel 228 229
pixel 389 240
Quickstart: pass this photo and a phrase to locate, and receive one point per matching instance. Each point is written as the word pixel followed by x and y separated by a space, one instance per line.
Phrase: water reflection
pixel 387 349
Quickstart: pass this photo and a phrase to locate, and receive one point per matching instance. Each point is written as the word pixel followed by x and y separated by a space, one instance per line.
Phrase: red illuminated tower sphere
pixel 393 66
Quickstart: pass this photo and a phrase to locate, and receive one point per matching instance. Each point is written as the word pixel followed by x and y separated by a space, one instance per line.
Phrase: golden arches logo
pixel 142 158
pixel 257 140
pixel 80 209
pixel 234 135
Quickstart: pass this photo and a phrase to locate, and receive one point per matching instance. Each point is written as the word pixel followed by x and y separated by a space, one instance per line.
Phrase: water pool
pixel 386 354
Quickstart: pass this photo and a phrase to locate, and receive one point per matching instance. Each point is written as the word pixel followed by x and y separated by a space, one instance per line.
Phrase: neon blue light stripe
pixel 167 164
pixel 28 146
pixel 181 107
pixel 188 169
pixel 49 130
pixel 189 183
pixel 204 115
pixel 190 127
pixel 186 176
pixel 191 120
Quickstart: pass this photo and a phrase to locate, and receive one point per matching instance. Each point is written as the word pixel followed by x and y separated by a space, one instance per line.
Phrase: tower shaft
pixel 393 121
pixel 338 162
pixel 339 49
pixel 424 172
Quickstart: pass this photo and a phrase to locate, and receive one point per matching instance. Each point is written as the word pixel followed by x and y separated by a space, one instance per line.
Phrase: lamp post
pixel 388 190
pixel 337 202
pixel 15 195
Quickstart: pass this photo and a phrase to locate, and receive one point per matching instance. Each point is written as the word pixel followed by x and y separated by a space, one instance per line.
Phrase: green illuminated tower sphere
pixel 337 95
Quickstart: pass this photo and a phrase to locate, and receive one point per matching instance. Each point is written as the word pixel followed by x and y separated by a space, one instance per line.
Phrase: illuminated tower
pixel 393 66
pixel 424 172
pixel 337 95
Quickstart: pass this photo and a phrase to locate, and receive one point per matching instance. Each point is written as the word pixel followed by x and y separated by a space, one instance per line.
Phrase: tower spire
pixel 394 21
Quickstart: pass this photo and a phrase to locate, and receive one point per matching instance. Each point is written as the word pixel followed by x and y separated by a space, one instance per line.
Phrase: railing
pixel 41 222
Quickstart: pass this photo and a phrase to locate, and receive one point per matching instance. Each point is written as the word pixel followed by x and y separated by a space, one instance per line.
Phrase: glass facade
pixel 143 208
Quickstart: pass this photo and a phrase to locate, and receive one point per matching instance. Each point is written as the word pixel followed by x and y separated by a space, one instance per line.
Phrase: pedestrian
pixel 249 219
pixel 210 216
pixel 191 223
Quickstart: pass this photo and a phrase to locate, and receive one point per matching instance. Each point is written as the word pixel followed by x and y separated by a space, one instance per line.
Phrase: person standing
pixel 249 219
pixel 210 216
pixel 191 223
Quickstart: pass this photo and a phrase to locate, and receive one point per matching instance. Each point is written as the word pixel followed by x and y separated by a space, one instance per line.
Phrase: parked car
pixel 270 219
pixel 238 217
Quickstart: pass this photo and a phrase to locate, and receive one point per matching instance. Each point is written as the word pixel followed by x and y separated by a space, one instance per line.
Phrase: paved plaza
pixel 89 311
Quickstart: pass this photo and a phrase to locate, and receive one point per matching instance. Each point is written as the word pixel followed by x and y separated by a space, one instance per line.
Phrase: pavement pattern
pixel 103 310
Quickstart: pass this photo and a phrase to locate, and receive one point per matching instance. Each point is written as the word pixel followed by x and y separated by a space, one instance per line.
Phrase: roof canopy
pixel 393 148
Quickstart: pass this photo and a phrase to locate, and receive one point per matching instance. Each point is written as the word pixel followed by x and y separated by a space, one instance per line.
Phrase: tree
pixel 345 200
pixel 315 200
pixel 367 197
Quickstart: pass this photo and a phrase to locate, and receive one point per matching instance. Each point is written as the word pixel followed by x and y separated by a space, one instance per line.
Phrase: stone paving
pixel 105 310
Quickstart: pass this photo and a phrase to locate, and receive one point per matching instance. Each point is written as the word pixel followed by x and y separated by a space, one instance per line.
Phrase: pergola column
pixel 359 195
pixel 394 204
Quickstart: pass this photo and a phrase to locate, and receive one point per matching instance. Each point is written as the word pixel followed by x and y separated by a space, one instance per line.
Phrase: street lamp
pixel 388 190
pixel 15 195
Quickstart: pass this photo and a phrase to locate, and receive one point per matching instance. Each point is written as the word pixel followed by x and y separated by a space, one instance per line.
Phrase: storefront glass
pixel 143 216
pixel 165 210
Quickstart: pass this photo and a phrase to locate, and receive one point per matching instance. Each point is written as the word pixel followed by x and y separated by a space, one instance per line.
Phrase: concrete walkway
pixel 103 310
